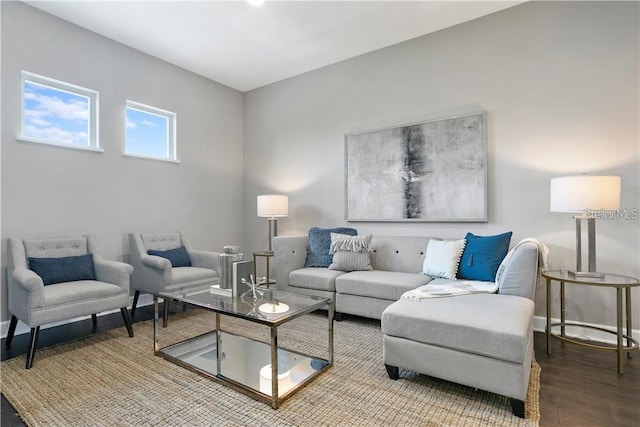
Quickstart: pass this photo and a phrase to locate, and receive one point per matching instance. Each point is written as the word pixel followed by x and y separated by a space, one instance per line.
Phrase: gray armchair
pixel 72 280
pixel 154 273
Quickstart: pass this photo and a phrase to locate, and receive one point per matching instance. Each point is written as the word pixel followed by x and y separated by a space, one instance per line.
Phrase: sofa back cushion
pixel 161 241
pixel 399 253
pixel 56 247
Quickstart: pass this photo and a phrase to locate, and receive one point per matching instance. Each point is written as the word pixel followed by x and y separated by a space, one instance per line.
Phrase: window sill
pixel 58 144
pixel 160 159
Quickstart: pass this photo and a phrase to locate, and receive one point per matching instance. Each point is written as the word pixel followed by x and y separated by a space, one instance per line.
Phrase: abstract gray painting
pixel 430 171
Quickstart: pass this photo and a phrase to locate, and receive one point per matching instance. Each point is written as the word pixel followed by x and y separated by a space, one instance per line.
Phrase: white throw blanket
pixel 465 287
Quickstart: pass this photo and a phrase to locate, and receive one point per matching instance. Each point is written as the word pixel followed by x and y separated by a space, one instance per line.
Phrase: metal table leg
pixel 628 314
pixel 156 347
pixel 548 316
pixel 274 367
pixel 619 327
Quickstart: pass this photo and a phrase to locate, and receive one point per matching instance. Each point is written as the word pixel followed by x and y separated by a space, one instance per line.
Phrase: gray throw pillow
pixel 351 253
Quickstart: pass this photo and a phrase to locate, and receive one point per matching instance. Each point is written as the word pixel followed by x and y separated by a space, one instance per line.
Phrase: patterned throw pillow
pixel 351 253
pixel 442 258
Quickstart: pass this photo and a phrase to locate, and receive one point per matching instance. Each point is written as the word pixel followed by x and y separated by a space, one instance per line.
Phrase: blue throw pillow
pixel 178 256
pixel 63 269
pixel 482 256
pixel 319 243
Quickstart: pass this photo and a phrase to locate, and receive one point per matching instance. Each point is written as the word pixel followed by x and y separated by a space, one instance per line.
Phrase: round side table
pixel 623 284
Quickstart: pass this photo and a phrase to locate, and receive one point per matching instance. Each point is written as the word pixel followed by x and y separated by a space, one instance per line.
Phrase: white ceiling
pixel 245 47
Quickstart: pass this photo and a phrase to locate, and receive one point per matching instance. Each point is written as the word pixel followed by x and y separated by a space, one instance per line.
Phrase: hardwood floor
pixel 578 386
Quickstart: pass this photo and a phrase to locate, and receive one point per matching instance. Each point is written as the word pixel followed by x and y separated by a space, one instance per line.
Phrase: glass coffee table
pixel 262 370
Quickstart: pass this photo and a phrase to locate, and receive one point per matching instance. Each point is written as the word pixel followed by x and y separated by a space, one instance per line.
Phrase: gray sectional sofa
pixel 480 340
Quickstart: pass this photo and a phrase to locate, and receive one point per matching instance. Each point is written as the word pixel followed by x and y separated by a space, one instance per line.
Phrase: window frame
pixel 59 85
pixel 172 140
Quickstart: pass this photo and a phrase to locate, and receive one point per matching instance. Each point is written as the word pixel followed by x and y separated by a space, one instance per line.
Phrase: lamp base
pixel 586 274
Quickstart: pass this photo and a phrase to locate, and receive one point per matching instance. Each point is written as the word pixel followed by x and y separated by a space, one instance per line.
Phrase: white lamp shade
pixel 582 192
pixel 273 206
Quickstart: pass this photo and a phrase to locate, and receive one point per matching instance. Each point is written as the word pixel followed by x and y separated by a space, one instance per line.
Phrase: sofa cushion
pixel 387 285
pixel 63 269
pixel 350 253
pixel 482 256
pixel 319 244
pixel 181 276
pixel 315 278
pixel 442 258
pixel 78 291
pixel 496 326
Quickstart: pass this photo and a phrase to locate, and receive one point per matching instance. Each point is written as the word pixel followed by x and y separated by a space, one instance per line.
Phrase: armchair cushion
pixel 178 257
pixel 63 269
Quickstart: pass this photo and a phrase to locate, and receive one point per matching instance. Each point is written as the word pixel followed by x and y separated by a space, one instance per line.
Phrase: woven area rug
pixel 109 379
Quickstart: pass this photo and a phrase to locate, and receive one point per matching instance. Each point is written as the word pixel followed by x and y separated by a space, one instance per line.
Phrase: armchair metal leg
pixel 165 315
pixel 127 320
pixel 94 319
pixel 135 302
pixel 33 342
pixel 12 330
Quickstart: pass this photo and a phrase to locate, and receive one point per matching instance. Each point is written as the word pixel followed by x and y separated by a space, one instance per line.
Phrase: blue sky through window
pixel 147 134
pixel 55 115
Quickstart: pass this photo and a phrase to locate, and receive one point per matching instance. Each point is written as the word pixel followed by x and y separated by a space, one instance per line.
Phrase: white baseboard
pixel 539 325
pixel 145 299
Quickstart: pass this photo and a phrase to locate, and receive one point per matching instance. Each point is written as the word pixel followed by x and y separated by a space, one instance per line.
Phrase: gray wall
pixel 559 82
pixel 50 191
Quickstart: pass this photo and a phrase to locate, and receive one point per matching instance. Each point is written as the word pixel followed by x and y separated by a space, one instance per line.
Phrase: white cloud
pixel 147 123
pixel 56 134
pixel 131 124
pixel 57 108
pixel 39 122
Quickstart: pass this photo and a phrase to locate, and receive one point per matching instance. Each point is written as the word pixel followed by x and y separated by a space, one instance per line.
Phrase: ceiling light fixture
pixel 256 2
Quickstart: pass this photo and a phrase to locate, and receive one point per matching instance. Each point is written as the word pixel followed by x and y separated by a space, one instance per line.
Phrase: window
pixel 59 113
pixel 151 132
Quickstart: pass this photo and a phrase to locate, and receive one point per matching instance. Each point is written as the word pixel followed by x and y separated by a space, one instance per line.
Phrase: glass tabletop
pixel 270 307
pixel 607 280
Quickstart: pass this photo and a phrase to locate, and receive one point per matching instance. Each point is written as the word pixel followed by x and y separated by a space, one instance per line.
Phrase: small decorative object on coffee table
pixel 253 287
pixel 621 283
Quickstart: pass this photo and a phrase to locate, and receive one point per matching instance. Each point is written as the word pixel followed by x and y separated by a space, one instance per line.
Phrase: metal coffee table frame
pixel 220 305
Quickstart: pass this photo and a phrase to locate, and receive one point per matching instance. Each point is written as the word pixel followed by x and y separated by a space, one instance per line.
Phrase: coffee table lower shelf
pixel 245 365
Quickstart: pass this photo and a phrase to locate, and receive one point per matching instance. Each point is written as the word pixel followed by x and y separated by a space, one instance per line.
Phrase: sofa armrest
pixel 290 253
pixel 205 259
pixel 117 273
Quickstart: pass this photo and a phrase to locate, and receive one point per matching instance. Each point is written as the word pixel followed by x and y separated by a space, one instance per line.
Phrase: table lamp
pixel 584 194
pixel 273 206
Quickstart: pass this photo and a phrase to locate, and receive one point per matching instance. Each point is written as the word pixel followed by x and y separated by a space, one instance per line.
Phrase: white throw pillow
pixel 442 258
